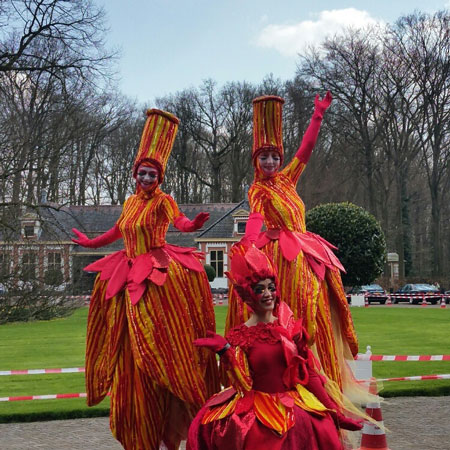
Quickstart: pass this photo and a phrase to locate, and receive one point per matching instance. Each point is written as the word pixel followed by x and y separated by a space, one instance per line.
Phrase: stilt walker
pixel 150 302
pixel 308 270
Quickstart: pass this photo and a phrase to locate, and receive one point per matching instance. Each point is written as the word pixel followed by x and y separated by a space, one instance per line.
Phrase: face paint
pixel 147 177
pixel 269 162
pixel 264 296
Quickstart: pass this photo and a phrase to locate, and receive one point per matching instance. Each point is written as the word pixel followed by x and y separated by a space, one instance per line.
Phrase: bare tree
pixel 54 36
pixel 114 158
pixel 423 43
pixel 237 99
pixel 348 66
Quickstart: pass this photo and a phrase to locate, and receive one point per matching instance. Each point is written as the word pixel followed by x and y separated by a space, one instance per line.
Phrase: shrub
pixel 358 236
pixel 210 272
pixel 53 277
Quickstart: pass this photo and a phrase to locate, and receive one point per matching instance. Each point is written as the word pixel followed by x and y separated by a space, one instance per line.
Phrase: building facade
pixel 36 245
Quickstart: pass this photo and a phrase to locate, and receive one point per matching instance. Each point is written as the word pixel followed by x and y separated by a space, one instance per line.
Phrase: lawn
pixel 60 343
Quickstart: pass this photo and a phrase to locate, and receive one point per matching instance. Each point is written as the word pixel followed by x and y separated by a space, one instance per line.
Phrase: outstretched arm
pixel 310 136
pixel 182 223
pixel 106 238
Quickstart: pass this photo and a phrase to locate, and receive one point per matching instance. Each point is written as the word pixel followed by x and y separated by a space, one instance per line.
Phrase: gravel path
pixel 415 423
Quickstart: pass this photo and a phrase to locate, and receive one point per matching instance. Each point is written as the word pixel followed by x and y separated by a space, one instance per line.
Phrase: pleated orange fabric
pixel 140 341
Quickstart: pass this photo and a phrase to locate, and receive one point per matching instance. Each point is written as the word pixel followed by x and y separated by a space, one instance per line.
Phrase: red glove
pixel 186 225
pixel 253 227
pixel 106 238
pixel 320 106
pixel 311 133
pixel 213 341
pixel 315 385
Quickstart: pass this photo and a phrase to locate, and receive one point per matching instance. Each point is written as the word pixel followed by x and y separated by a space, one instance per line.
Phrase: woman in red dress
pixel 150 302
pixel 277 399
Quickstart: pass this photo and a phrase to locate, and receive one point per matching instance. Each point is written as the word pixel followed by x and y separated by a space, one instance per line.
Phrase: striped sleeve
pixel 294 169
pixel 170 208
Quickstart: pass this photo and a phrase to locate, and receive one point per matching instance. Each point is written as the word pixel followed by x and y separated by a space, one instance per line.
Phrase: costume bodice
pixel 265 354
pixel 277 200
pixel 144 221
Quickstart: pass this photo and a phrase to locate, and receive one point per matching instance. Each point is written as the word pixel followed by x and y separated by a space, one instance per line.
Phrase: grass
pixel 406 331
pixel 60 343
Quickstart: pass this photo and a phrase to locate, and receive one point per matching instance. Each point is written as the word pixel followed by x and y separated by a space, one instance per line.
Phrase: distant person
pixel 149 303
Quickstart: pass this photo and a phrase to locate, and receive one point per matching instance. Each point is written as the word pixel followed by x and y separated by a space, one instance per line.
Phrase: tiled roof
pixel 57 223
pixel 222 225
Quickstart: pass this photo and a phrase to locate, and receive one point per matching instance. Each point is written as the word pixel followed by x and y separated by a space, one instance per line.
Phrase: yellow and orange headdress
pixel 267 125
pixel 157 140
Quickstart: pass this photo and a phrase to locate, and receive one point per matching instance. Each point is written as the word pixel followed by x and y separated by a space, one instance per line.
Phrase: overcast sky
pixel 170 45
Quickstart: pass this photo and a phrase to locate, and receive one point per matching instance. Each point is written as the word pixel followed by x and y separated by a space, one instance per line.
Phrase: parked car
pixel 373 293
pixel 447 294
pixel 413 293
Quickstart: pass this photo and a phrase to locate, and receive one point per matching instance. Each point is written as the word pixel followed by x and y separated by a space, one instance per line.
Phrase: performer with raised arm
pixel 308 270
pixel 150 302
pixel 277 399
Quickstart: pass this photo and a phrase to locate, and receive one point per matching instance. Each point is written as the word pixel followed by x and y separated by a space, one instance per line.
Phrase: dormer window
pixel 28 231
pixel 30 226
pixel 240 218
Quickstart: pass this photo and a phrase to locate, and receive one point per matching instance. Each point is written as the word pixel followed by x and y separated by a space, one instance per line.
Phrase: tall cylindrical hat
pixel 267 125
pixel 157 140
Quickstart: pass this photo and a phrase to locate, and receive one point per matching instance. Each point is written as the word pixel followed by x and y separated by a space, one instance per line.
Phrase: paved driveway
pixel 415 423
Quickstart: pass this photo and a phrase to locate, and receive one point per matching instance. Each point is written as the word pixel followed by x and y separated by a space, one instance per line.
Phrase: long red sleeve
pixel 253 227
pixel 100 241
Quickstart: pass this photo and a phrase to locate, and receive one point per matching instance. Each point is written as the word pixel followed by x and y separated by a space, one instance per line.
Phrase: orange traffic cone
pixel 443 304
pixel 366 302
pixel 388 301
pixel 424 302
pixel 373 436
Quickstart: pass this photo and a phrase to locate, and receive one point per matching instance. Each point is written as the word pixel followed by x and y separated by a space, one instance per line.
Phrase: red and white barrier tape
pixel 42 397
pixel 41 371
pixel 363 357
pixel 359 357
pixel 415 295
pixel 83 394
pixel 417 378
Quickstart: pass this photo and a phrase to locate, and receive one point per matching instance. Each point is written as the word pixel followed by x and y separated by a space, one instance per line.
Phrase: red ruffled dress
pixel 267 405
pixel 149 303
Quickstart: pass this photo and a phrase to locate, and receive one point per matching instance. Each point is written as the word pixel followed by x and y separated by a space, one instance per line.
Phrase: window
pixel 241 227
pixel 28 230
pixel 29 266
pixel 216 261
pixel 4 265
pixel 54 261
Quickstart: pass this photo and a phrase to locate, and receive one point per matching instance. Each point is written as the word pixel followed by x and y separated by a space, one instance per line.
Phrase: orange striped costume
pixel 150 301
pixel 308 270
